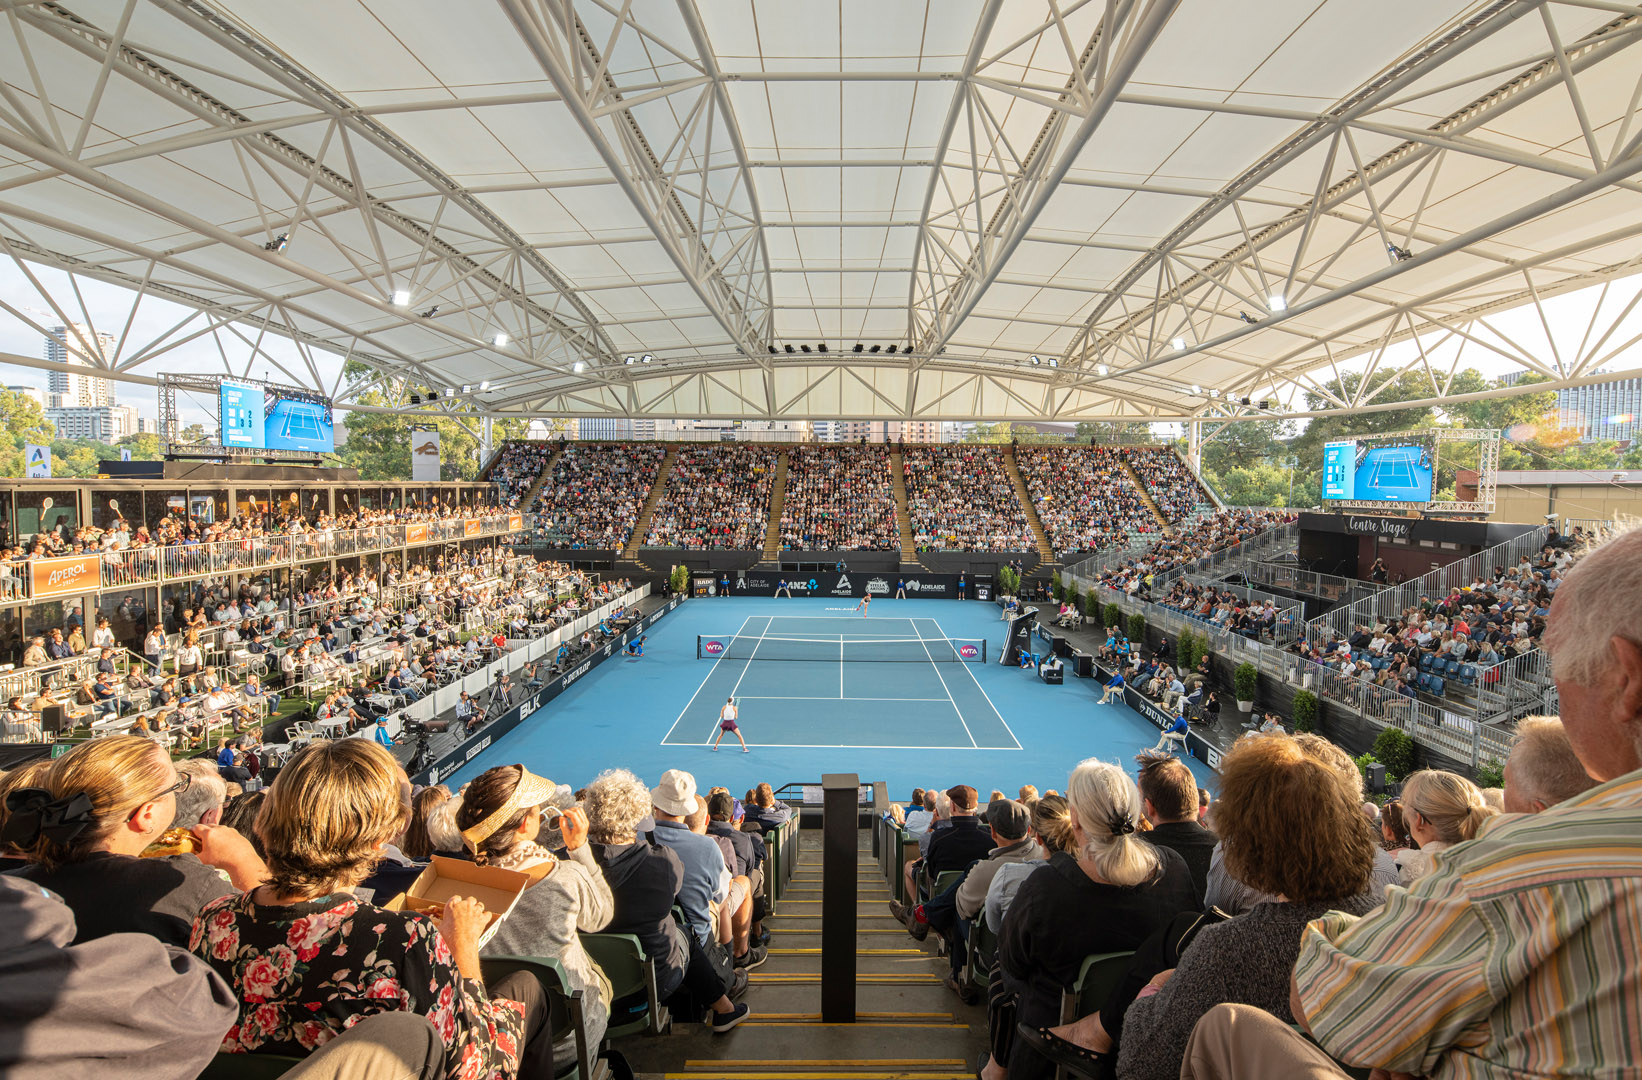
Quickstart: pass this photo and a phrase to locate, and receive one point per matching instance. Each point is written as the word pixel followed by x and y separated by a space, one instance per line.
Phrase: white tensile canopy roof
pixel 1061 210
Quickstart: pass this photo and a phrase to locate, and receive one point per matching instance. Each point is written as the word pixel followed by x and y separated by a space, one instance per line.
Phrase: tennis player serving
pixel 862 606
pixel 726 722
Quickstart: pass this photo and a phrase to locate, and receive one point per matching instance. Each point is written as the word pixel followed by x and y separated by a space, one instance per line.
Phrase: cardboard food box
pixel 497 889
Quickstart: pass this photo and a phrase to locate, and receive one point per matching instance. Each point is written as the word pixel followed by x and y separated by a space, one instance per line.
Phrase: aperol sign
pixel 60 577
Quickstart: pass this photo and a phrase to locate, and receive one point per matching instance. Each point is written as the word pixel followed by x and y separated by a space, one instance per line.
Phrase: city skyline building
pixel 72 346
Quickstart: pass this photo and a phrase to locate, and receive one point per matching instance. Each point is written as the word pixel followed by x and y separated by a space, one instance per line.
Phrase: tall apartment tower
pixel 70 346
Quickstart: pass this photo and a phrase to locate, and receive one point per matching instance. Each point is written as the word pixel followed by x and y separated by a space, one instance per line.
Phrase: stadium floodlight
pixel 875 348
pixel 805 349
pixel 891 349
pixel 1277 302
pixel 629 359
pixel 1101 369
pixel 1246 317
pixel 581 365
pixel 500 340
pixel 646 358
pixel 1054 361
pixel 433 395
pixel 1177 344
pixel 790 349
pixel 467 388
pixel 1398 254
pixel 401 298
pixel 278 243
pixel 1034 359
pixel 485 385
pixel 1213 392
pixel 416 399
pixel 774 350
pixel 857 346
pixel 821 347
pixel 1196 389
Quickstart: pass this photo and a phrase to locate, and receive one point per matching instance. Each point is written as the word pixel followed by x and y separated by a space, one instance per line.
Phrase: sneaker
pixel 738 986
pixel 967 994
pixel 723 1022
pixel 753 957
pixel 909 919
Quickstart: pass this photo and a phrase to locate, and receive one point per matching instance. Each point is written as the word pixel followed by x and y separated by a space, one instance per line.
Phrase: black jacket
pixel 644 879
pixel 746 858
pixel 956 847
pixel 1192 842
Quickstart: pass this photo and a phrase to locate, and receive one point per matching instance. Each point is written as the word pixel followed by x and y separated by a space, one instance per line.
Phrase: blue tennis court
pixel 660 712
pixel 865 683
pixel 1394 473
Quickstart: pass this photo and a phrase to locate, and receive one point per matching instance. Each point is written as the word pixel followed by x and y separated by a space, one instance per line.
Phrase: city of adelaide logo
pixel 968 652
pixel 428 448
pixel 712 648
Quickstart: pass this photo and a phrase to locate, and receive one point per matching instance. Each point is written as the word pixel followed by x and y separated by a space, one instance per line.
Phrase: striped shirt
pixel 1519 956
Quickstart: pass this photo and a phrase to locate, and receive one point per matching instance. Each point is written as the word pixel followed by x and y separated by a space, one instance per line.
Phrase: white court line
pixel 744 669
pixel 984 694
pixel 869 746
pixel 772 697
pixel 944 686
pixel 840 667
pixel 704 680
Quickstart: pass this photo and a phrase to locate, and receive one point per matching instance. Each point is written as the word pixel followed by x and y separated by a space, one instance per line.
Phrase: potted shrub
pixel 1394 748
pixel 1305 712
pixel 1137 629
pixel 1091 604
pixel 1112 617
pixel 1055 588
pixel 1244 682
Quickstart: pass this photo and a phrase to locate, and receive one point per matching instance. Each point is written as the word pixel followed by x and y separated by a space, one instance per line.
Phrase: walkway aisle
pixel 909 1026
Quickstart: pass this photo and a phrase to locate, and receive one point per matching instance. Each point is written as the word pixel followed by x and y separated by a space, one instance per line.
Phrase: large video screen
pixel 1395 471
pixel 275 418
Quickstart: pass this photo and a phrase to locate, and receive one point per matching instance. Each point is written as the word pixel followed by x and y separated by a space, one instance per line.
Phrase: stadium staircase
pixel 1145 497
pixel 908 1025
pixel 641 528
pixel 778 502
pixel 1046 551
pixel 910 562
pixel 528 499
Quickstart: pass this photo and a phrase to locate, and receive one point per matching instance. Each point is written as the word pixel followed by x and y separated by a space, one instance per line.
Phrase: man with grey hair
pixel 202 803
pixel 1543 769
pixel 1463 972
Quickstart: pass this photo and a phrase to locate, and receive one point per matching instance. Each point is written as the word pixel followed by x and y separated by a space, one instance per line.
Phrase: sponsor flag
pixel 424 456
pixel 37 461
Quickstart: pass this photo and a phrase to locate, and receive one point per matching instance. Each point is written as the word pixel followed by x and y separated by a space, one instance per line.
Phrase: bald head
pixel 1543 769
pixel 1594 635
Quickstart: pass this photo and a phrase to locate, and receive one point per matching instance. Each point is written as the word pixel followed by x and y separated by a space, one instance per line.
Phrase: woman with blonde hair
pixel 1107 893
pixel 1290 827
pixel 89 816
pixel 308 960
pixel 501 818
pixel 1442 809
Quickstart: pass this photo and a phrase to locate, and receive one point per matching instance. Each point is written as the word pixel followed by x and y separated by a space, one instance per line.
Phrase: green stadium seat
pixel 1099 976
pixel 622 959
pixel 983 951
pixel 564 1006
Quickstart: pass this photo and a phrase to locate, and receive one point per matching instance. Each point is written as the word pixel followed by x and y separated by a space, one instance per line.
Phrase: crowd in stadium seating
pixel 717 497
pixel 1459 636
pixel 1083 496
pixel 517 466
pixel 1223 608
pixel 960 499
pixel 839 497
pixel 1205 537
pixel 1167 479
pixel 596 492
pixel 277 937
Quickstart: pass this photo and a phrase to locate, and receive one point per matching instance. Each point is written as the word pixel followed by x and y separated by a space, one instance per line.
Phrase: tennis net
pixel 851 650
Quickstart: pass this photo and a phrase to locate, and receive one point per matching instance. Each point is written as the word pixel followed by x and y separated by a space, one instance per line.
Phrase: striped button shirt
pixel 1519 956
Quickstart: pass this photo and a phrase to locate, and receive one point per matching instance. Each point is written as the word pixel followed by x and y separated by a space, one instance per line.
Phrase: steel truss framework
pixel 1066 209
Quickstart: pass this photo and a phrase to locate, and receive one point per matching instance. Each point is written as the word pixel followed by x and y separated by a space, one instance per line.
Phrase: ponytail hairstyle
pixel 1052 823
pixel 92 789
pixel 1108 808
pixel 1450 803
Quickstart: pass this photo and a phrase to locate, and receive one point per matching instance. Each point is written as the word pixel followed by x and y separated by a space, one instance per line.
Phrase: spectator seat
pixel 622 959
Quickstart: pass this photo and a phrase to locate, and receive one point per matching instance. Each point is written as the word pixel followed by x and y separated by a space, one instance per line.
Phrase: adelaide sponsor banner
pixel 59 577
pixel 470 528
pixel 1155 714
pixel 416 534
pixel 482 739
pixel 848 584
pixel 424 456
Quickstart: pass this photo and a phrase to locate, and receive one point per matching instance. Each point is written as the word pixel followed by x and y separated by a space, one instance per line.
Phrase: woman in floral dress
pixel 309 960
